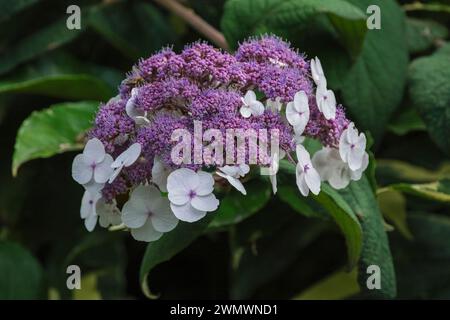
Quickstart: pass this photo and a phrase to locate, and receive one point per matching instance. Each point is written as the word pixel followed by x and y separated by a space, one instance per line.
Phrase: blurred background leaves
pixel 393 82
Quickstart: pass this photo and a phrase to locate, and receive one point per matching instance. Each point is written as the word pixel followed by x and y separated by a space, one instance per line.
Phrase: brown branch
pixel 195 21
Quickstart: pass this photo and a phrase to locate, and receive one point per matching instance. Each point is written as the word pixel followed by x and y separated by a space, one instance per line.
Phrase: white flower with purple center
pixel 250 105
pixel 159 174
pixel 331 168
pixel 92 168
pixel 233 173
pixel 125 159
pixel 139 116
pixel 147 214
pixel 190 194
pixel 352 147
pixel 306 176
pixel 326 102
pixel 88 210
pixel 297 112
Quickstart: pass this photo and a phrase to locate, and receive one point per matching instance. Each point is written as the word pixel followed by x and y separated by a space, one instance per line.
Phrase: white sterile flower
pixel 190 194
pixel 274 105
pixel 139 116
pixel 125 159
pixel 92 168
pixel 148 214
pixel 331 168
pixel 88 210
pixel 251 106
pixel 160 174
pixel 274 166
pixel 297 112
pixel 317 72
pixel 306 176
pixel 352 147
pixel 108 213
pixel 326 102
pixel 233 173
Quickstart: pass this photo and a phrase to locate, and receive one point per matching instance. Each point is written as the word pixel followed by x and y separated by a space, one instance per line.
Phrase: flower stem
pixel 195 21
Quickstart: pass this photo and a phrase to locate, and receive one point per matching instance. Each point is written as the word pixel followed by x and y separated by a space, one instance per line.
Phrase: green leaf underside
pixel 51 131
pixel 244 18
pixel 429 91
pixel 168 246
pixel 20 273
pixel 375 248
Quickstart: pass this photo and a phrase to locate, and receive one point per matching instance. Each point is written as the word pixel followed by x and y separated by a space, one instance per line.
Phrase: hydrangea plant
pixel 265 86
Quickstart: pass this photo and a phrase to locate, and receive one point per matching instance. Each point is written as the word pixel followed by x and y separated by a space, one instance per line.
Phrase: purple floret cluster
pixel 206 84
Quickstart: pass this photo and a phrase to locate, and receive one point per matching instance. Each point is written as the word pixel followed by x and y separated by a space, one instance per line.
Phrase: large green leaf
pixel 20 273
pixel 429 91
pixel 235 207
pixel 375 248
pixel 423 265
pixel 168 246
pixel 423 34
pixel 43 40
pixel 437 191
pixel 244 18
pixel 373 87
pixel 51 131
pixel 134 28
pixel 60 75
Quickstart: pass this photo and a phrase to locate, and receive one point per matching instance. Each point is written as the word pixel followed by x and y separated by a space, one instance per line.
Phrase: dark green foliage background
pixel 394 83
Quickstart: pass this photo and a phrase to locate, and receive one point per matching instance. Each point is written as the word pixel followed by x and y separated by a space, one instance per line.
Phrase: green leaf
pixel 46 39
pixel 393 206
pixel 338 209
pixel 60 75
pixel 136 29
pixel 345 218
pixel 423 34
pixel 51 131
pixel 296 201
pixel 20 273
pixel 244 18
pixel 168 246
pixel 423 265
pixel 429 91
pixel 437 191
pixel 235 206
pixel 404 171
pixel 338 285
pixel 406 122
pixel 375 247
pixel 9 8
pixel 373 87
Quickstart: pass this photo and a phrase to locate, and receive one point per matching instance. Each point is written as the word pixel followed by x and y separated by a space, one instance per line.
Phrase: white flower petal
pixel 273 181
pixel 94 151
pixel 356 175
pixel 206 183
pixel 134 215
pixel 249 97
pixel 115 173
pixel 160 174
pixel 93 186
pixel 317 72
pixel 235 182
pixel 182 180
pixel 146 232
pixel 81 172
pixel 302 155
pixel 340 176
pixel 103 170
pixel 205 203
pixel 245 111
pixel 312 180
pixel 90 222
pixel 88 204
pixel 301 183
pixel 163 219
pixel 128 157
pixel 257 108
pixel 355 159
pixel 187 213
